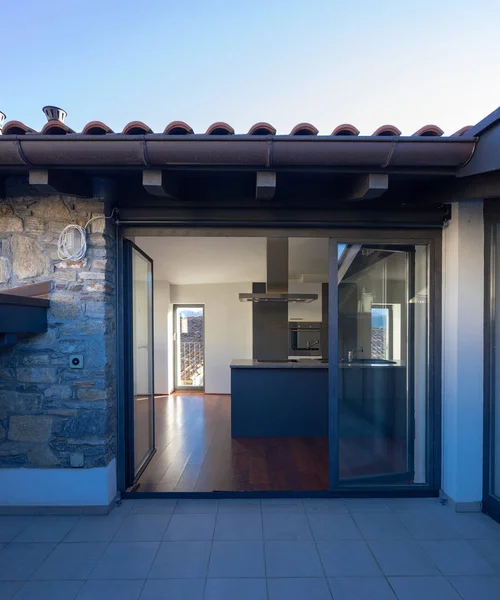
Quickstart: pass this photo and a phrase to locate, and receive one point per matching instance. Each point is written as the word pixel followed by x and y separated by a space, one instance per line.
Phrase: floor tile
pixel 457 557
pixel 10 527
pixel 413 504
pixel 158 506
pixel 236 589
pixel 367 505
pixel 282 505
pixel 71 561
pixel 238 526
pixel 142 528
pixel 477 587
pixel 488 549
pixel 126 560
pixel 288 526
pixel 190 527
pixel 402 558
pixel 49 590
pixel 95 529
pixel 298 588
pixel 292 559
pixel 327 527
pixel 475 525
pixel 46 529
pixel 9 588
pixel 425 525
pixel 111 590
pixel 236 559
pixel 181 560
pixel 237 505
pixel 200 506
pixel 18 562
pixel 173 589
pixel 347 558
pixel 428 588
pixel 361 588
pixel 324 505
pixel 381 527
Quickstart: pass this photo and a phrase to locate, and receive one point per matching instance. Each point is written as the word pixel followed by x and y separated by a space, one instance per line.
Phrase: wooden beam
pixel 369 186
pixel 60 182
pixel 265 187
pixel 158 184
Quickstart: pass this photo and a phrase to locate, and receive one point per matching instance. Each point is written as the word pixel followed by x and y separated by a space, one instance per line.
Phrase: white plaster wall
pixel 228 327
pixel 162 309
pixel 463 298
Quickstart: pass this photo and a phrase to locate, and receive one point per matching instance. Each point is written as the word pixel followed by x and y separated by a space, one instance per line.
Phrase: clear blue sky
pixel 367 62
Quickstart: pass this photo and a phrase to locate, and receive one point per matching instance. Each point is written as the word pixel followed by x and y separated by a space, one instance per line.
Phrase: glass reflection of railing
pixel 191 354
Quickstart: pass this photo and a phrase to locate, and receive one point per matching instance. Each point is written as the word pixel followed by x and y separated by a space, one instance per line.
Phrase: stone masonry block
pixel 37 374
pixel 27 257
pixel 30 428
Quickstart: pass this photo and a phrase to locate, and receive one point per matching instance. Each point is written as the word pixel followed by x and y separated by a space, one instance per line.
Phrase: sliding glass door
pixel 379 383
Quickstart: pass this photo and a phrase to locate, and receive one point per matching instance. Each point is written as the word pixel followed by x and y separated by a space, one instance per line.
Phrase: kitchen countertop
pixel 248 363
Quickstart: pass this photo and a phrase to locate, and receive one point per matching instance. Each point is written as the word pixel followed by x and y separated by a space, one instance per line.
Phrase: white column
pixel 463 322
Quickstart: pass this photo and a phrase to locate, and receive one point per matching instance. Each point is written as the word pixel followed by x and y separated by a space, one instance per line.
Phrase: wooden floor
pixel 195 453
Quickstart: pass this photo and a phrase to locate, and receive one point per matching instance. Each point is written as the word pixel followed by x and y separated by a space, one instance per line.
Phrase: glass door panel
pixel 189 342
pixel 382 371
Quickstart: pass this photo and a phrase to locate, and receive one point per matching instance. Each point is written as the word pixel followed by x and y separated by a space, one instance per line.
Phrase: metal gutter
pixel 158 150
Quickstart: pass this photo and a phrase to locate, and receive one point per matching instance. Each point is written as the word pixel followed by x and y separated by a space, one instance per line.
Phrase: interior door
pixel 189 347
pixel 140 414
pixel 381 377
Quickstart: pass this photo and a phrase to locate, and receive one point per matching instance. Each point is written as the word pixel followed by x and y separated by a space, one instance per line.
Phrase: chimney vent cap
pixel 54 113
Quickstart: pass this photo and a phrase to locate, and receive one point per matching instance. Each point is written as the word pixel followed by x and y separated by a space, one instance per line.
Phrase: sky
pixel 366 62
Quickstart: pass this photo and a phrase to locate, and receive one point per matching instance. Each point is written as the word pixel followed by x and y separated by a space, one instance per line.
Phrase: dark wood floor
pixel 195 453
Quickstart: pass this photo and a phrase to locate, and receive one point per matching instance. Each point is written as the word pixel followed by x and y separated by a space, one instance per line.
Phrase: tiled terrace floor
pixel 405 549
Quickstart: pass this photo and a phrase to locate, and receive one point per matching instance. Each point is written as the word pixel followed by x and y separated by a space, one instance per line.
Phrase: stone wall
pixel 52 415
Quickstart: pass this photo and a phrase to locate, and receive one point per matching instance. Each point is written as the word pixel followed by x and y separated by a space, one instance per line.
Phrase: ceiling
pixel 202 260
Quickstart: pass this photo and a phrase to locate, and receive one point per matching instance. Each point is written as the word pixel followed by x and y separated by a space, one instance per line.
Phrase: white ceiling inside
pixel 190 260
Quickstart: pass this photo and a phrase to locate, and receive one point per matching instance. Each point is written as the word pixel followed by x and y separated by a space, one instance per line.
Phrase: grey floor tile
pixel 292 559
pixel 402 558
pixel 173 589
pixel 46 529
pixel 235 589
pixel 238 505
pixel 10 527
pixel 111 590
pixel 71 561
pixel 160 506
pixel 327 527
pixel 361 588
pixel 475 525
pixel 381 527
pixel 324 505
pixel 142 528
pixel 95 529
pixel 488 549
pixel 236 559
pixel 477 587
pixel 414 504
pixel 126 560
pixel 418 588
pixel 190 527
pixel 367 505
pixel 426 525
pixel 282 505
pixel 238 526
pixel 288 526
pixel 49 590
pixel 18 562
pixel 298 588
pixel 181 560
pixel 9 588
pixel 456 557
pixel 200 506
pixel 347 558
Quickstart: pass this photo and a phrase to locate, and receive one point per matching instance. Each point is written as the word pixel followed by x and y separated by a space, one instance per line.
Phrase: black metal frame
pixel 131 475
pixel 402 236
pixel 491 503
pixel 176 358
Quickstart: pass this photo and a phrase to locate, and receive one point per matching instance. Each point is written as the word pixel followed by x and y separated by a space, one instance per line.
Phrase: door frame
pixel 130 473
pixel 404 235
pixel 176 358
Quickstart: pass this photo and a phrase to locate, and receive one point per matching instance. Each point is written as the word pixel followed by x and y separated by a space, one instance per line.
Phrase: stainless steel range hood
pixel 277 277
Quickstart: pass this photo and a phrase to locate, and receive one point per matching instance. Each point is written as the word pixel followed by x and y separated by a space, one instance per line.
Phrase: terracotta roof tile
pixel 345 129
pixel 96 128
pixel 262 128
pixel 429 131
pixel 16 128
pixel 220 128
pixel 386 130
pixel 136 128
pixel 55 127
pixel 178 128
pixel 304 129
pixel 462 130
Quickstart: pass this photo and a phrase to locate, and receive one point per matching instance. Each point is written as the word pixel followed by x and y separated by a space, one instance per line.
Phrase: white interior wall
pixel 462 403
pixel 228 327
pixel 162 308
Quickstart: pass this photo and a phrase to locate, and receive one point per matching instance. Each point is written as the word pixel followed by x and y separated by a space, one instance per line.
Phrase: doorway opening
pixel 189 347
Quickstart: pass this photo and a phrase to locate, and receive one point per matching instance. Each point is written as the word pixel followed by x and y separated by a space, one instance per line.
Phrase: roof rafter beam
pixel 157 183
pixel 265 186
pixel 60 182
pixel 368 187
